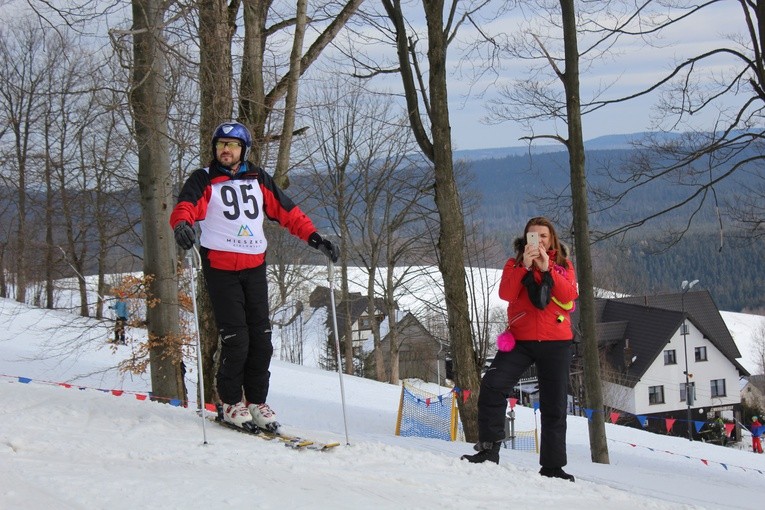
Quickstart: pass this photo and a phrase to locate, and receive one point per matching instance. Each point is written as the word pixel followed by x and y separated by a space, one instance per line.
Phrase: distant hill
pixel 603 143
pixel 521 184
pixel 514 184
pixel 607 142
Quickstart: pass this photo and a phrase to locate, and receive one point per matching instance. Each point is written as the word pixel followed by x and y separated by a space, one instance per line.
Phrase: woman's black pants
pixel 552 359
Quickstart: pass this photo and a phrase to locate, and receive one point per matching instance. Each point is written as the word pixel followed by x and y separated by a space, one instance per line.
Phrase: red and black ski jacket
pixel 236 191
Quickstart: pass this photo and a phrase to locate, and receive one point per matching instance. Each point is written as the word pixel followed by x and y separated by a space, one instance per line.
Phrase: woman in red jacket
pixel 540 287
pixel 229 200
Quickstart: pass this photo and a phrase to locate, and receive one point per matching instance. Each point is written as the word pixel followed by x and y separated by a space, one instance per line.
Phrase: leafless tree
pixel 258 98
pixel 337 138
pixel 149 107
pixel 393 229
pixel 480 286
pixel 69 169
pixel 109 148
pixel 758 347
pixel 707 129
pixel 556 46
pixel 424 83
pixel 24 68
pixel 262 84
pixel 364 151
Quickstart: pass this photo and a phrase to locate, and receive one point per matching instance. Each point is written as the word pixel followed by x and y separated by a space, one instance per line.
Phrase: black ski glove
pixel 325 246
pixel 184 235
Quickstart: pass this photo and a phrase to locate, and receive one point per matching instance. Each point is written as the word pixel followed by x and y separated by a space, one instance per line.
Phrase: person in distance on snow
pixel 230 199
pixel 121 317
pixel 540 287
pixel 756 433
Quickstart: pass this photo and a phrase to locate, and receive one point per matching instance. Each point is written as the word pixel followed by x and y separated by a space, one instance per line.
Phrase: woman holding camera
pixel 540 287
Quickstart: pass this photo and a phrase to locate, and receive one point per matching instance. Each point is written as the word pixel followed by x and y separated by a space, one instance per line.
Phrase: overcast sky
pixel 634 67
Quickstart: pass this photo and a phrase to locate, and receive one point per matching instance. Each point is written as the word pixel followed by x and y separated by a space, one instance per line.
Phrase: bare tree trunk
pixel 66 215
pixel 451 240
pixel 594 391
pixel 49 214
pixel 345 236
pixel 391 306
pixel 216 29
pixel 103 247
pixel 252 94
pixel 293 77
pixel 256 105
pixel 21 228
pixel 149 104
pixel 3 282
pixel 379 359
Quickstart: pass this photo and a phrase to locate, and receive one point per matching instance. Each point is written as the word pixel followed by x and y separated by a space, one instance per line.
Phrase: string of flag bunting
pixel 706 462
pixel 614 416
pixel 117 393
pixel 463 394
pixel 669 423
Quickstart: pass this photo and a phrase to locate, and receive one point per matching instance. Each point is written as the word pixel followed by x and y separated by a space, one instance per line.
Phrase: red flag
pixel 728 429
pixel 512 401
pixel 65 385
pixel 614 417
pixel 211 407
pixel 465 395
pixel 670 422
pixel 427 402
pixel 117 393
pixel 140 396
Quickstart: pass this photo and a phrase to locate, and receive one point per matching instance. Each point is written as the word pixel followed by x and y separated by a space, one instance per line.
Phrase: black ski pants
pixel 240 305
pixel 119 329
pixel 553 359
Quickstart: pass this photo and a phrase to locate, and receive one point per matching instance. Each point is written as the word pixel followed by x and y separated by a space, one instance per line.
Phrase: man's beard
pixel 230 167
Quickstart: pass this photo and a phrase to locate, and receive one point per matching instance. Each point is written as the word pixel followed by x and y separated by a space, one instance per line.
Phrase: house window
pixel 656 394
pixel 701 353
pixel 718 387
pixel 682 392
pixel 670 357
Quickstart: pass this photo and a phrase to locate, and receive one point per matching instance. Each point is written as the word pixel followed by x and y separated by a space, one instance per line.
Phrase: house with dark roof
pixel 753 391
pixel 648 343
pixel 420 354
pixel 360 316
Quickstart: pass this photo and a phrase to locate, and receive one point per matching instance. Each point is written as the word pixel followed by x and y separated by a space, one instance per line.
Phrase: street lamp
pixel 685 287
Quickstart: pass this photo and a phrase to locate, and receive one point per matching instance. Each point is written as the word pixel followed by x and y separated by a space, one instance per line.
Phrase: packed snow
pixel 67 441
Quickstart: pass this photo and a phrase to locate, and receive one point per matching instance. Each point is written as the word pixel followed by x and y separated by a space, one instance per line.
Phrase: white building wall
pixel 702 373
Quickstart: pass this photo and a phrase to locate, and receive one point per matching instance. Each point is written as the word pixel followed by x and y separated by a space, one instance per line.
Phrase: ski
pixel 290 441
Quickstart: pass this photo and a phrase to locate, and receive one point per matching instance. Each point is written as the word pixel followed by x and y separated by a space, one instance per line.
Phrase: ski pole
pixel 195 263
pixel 337 345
